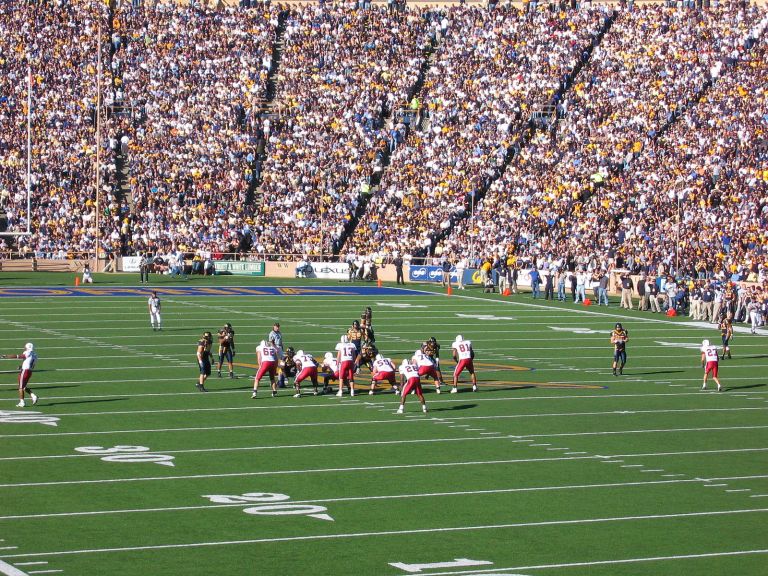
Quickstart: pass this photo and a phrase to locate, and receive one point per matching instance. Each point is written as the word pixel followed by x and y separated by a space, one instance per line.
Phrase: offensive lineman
pixel 383 371
pixel 427 367
pixel 409 375
pixel 29 357
pixel 308 366
pixel 464 356
pixel 266 354
pixel 709 361
pixel 619 338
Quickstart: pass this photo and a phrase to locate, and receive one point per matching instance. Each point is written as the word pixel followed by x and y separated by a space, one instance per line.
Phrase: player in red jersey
pixel 383 371
pixel 709 361
pixel 409 375
pixel 29 357
pixel 266 353
pixel 464 356
pixel 307 369
pixel 346 353
pixel 427 367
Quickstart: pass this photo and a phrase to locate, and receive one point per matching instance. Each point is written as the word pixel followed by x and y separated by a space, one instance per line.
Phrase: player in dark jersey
pixel 431 349
pixel 355 335
pixel 619 338
pixel 204 359
pixel 726 333
pixel 227 348
pixel 366 356
pixel 287 366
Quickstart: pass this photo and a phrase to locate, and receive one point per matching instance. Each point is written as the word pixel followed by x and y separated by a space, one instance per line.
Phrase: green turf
pixel 553 467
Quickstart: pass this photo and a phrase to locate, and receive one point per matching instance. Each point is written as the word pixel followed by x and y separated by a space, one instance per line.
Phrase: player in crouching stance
pixel 383 371
pixel 427 367
pixel 464 356
pixel 709 361
pixel 287 366
pixel 409 376
pixel 267 357
pixel 29 357
pixel 308 369
pixel 330 367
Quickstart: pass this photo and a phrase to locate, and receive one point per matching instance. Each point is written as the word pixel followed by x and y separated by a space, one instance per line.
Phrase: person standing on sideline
pixel 619 338
pixel 144 262
pixel 726 333
pixel 446 266
pixel 535 281
pixel 409 378
pixel 642 303
pixel 226 349
pixel 626 291
pixel 464 356
pixel 398 262
pixel 549 285
pixel 29 357
pixel 266 354
pixel 153 304
pixel 602 289
pixel 709 361
pixel 461 266
pixel 204 359
pixel 87 278
pixel 652 289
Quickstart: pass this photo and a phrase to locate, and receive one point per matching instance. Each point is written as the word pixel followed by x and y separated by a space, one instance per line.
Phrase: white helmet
pixel 379 357
pixel 300 353
pixel 344 339
pixel 404 362
pixel 328 356
pixel 459 338
pixel 262 343
pixel 704 343
pixel 29 347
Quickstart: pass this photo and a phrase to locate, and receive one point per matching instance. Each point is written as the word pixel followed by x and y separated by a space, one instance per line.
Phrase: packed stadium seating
pixel 631 138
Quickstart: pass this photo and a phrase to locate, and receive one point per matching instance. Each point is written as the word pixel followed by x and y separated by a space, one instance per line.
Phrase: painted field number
pixel 8 417
pixel 456 563
pixel 268 508
pixel 130 454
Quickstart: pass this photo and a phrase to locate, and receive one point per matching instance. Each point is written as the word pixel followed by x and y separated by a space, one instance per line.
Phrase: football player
pixel 153 304
pixel 709 361
pixel 619 338
pixel 383 370
pixel 204 359
pixel 726 333
pixel 287 366
pixel 426 367
pixel 367 355
pixel 308 369
pixel 227 348
pixel 266 354
pixel 464 355
pixel 346 353
pixel 409 376
pixel 330 371
pixel 29 357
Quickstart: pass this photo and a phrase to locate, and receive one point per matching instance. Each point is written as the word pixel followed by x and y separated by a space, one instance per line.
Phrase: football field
pixel 553 467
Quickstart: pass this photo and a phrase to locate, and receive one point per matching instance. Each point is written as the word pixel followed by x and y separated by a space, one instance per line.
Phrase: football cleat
pixel 231 374
pixel 400 409
pixel 274 394
pixel 454 390
pixel 219 373
pixel 34 398
pixel 199 387
pixel 370 392
pixel 352 392
pixel 437 389
pixel 474 387
pixel 21 404
pixel 253 395
pixel 424 408
pixel 297 395
pixel 340 392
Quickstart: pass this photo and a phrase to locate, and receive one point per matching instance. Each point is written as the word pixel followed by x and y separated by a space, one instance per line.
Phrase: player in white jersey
pixel 307 369
pixel 29 357
pixel 709 361
pixel 266 354
pixel 153 304
pixel 346 353
pixel 330 367
pixel 464 356
pixel 409 375
pixel 383 370
pixel 427 367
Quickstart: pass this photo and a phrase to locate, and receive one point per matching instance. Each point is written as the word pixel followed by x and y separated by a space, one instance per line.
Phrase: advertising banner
pixel 329 270
pixel 131 263
pixel 239 268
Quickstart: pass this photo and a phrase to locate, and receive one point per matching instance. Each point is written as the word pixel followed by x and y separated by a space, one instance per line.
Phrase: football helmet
pixel 705 343
pixel 618 326
pixel 344 339
pixel 379 357
pixel 29 347
pixel 459 338
pixel 300 353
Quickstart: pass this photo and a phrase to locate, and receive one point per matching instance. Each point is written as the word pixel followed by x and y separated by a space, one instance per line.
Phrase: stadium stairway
pixel 272 87
pixel 537 121
pixel 385 153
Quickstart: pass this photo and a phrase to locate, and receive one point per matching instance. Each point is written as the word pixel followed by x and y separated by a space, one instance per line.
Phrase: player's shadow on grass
pixel 245 386
pixel 85 401
pixel 745 387
pixel 456 407
pixel 38 387
pixel 633 373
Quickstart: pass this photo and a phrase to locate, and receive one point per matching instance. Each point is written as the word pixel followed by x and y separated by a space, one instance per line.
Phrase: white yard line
pixel 440 530
pixel 9 570
pixel 379 497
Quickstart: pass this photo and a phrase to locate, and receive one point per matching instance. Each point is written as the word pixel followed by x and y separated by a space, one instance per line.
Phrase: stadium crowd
pixel 653 161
